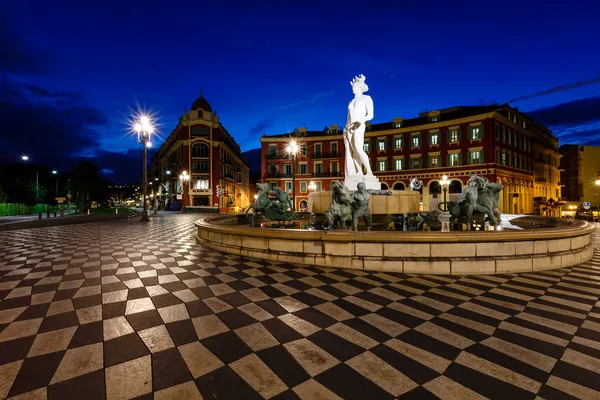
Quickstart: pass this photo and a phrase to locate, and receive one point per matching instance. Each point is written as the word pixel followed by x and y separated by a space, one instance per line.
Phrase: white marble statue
pixel 360 110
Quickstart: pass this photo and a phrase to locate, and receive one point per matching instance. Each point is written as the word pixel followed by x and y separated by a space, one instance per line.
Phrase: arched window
pixel 434 187
pixel 399 186
pixel 455 187
pixel 200 150
pixel 303 205
pixel 384 186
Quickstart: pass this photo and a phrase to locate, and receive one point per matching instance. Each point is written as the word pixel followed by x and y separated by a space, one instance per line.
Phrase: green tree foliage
pixel 86 185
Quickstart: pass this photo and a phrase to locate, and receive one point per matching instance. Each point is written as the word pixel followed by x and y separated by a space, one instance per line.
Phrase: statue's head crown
pixel 360 79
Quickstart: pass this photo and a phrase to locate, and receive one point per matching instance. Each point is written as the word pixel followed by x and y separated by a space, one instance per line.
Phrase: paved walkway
pixel 124 309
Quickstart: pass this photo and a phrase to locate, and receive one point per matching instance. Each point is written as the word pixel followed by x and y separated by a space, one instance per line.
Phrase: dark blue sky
pixel 71 71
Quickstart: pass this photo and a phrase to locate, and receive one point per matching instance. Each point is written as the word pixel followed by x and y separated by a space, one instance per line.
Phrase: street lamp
pixel 445 183
pixel 54 172
pixel 25 158
pixel 292 149
pixel 312 186
pixel 184 177
pixel 144 128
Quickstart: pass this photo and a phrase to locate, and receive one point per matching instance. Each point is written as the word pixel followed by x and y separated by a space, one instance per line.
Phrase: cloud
pixel 576 112
pixel 299 103
pixel 260 127
pixel 17 55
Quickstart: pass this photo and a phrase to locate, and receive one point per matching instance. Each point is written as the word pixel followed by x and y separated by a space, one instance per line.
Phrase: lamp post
pixel 184 177
pixel 597 183
pixel 292 150
pixel 144 129
pixel 445 183
pixel 54 172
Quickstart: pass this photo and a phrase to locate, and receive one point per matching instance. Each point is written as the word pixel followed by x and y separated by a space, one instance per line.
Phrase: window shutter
pixel 429 162
pixel 470 132
pixel 447 160
pixel 469 158
pixel 447 135
pixel 481 156
pixel 459 134
pixel 481 131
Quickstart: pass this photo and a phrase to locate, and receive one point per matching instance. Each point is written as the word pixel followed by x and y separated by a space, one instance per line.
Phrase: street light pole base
pixel 145 216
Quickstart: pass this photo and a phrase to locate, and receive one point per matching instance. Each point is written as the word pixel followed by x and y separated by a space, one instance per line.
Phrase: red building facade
pixel 200 148
pixel 491 141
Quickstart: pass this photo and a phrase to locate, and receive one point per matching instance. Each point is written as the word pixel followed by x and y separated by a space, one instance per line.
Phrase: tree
pixel 2 196
pixel 86 184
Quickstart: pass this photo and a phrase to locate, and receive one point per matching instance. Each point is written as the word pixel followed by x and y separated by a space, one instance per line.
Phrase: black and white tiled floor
pixel 126 309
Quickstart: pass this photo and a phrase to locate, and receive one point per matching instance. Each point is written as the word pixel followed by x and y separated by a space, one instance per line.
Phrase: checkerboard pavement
pixel 127 309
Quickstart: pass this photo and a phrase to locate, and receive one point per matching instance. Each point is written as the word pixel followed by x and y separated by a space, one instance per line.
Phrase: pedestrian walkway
pixel 127 308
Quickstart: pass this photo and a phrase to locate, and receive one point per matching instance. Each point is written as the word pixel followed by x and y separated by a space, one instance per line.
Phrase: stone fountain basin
pixel 448 253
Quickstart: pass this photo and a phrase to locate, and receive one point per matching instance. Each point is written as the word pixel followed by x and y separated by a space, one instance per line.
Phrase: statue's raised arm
pixel 380 192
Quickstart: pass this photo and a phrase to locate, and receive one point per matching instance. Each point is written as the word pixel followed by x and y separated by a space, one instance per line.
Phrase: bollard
pixel 116 210
pixel 39 215
pixel 88 211
pixel 47 214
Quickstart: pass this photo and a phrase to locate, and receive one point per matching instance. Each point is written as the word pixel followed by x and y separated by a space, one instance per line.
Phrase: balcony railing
pixel 277 175
pixel 271 156
pixel 333 154
pixel 326 174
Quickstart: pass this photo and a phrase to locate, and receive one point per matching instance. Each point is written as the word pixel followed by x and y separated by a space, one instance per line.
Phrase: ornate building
pixel 200 148
pixel 497 142
pixel 571 174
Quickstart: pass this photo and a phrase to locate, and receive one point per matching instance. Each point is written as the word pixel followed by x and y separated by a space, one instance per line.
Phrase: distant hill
pixel 253 157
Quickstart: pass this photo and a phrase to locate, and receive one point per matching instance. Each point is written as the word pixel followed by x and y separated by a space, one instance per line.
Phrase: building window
pixel 303 187
pixel 434 161
pixel 476 157
pixel 399 164
pixel 334 149
pixel 381 165
pixel 200 150
pixel 287 169
pixel 454 159
pixel 381 144
pixel 303 149
pixel 318 149
pixel 415 141
pixel 454 135
pixel 398 124
pixel 319 168
pixel 199 167
pixel 503 157
pixel 318 186
pixel 398 143
pixel 273 185
pixel 201 184
pixel 288 187
pixel 303 169
pixel 367 146
pixel 200 131
pixel 273 151
pixel 434 138
pixel 434 119
pixel 334 168
pixel 415 163
pixel 475 133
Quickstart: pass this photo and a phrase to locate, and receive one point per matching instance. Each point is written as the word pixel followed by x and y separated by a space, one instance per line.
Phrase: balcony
pixel 333 154
pixel 326 174
pixel 541 180
pixel 272 156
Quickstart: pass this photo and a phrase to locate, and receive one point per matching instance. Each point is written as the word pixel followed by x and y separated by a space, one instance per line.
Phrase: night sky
pixel 71 72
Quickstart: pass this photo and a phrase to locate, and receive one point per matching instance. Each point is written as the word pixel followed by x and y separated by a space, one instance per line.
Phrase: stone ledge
pixel 401 255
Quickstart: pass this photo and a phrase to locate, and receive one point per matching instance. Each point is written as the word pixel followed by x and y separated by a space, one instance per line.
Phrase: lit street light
pixel 444 183
pixel 184 177
pixel 25 158
pixel 292 149
pixel 54 172
pixel 144 128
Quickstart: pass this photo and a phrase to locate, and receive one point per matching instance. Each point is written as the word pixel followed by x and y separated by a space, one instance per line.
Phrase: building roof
pixel 446 115
pixel 201 103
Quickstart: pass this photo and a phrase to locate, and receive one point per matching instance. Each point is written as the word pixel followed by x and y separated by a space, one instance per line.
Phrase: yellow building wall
pixel 591 170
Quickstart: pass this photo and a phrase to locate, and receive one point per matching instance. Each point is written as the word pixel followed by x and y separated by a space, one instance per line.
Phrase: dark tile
pixel 224 383
pixel 89 387
pixel 461 330
pixel 281 331
pixel 36 311
pixel 112 310
pixel 168 369
pixel 59 321
pixel 15 349
pixel 113 287
pixel 373 298
pixel 145 319
pixel 352 308
pixel 44 288
pixel 408 366
pixel 235 299
pixel 541 346
pixel 315 317
pixel 182 332
pixel 87 334
pixel 87 301
pixel 17 302
pixel 549 393
pixel 405 319
pixel 485 385
pixel 271 291
pixel 235 318
pixel 128 277
pixel 227 346
pixel 338 347
pixel 92 282
pixel 308 299
pixel 510 363
pixel 203 292
pixel 36 372
pixel 174 286
pixel 576 374
pixel 165 300
pixel 419 393
pixel 198 308
pixel 137 293
pixel 150 281
pixel 239 285
pixel 367 329
pixel 123 348
pixel 287 395
pixel 64 294
pixel 429 344
pixel 349 384
pixel 284 365
pixel 272 307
